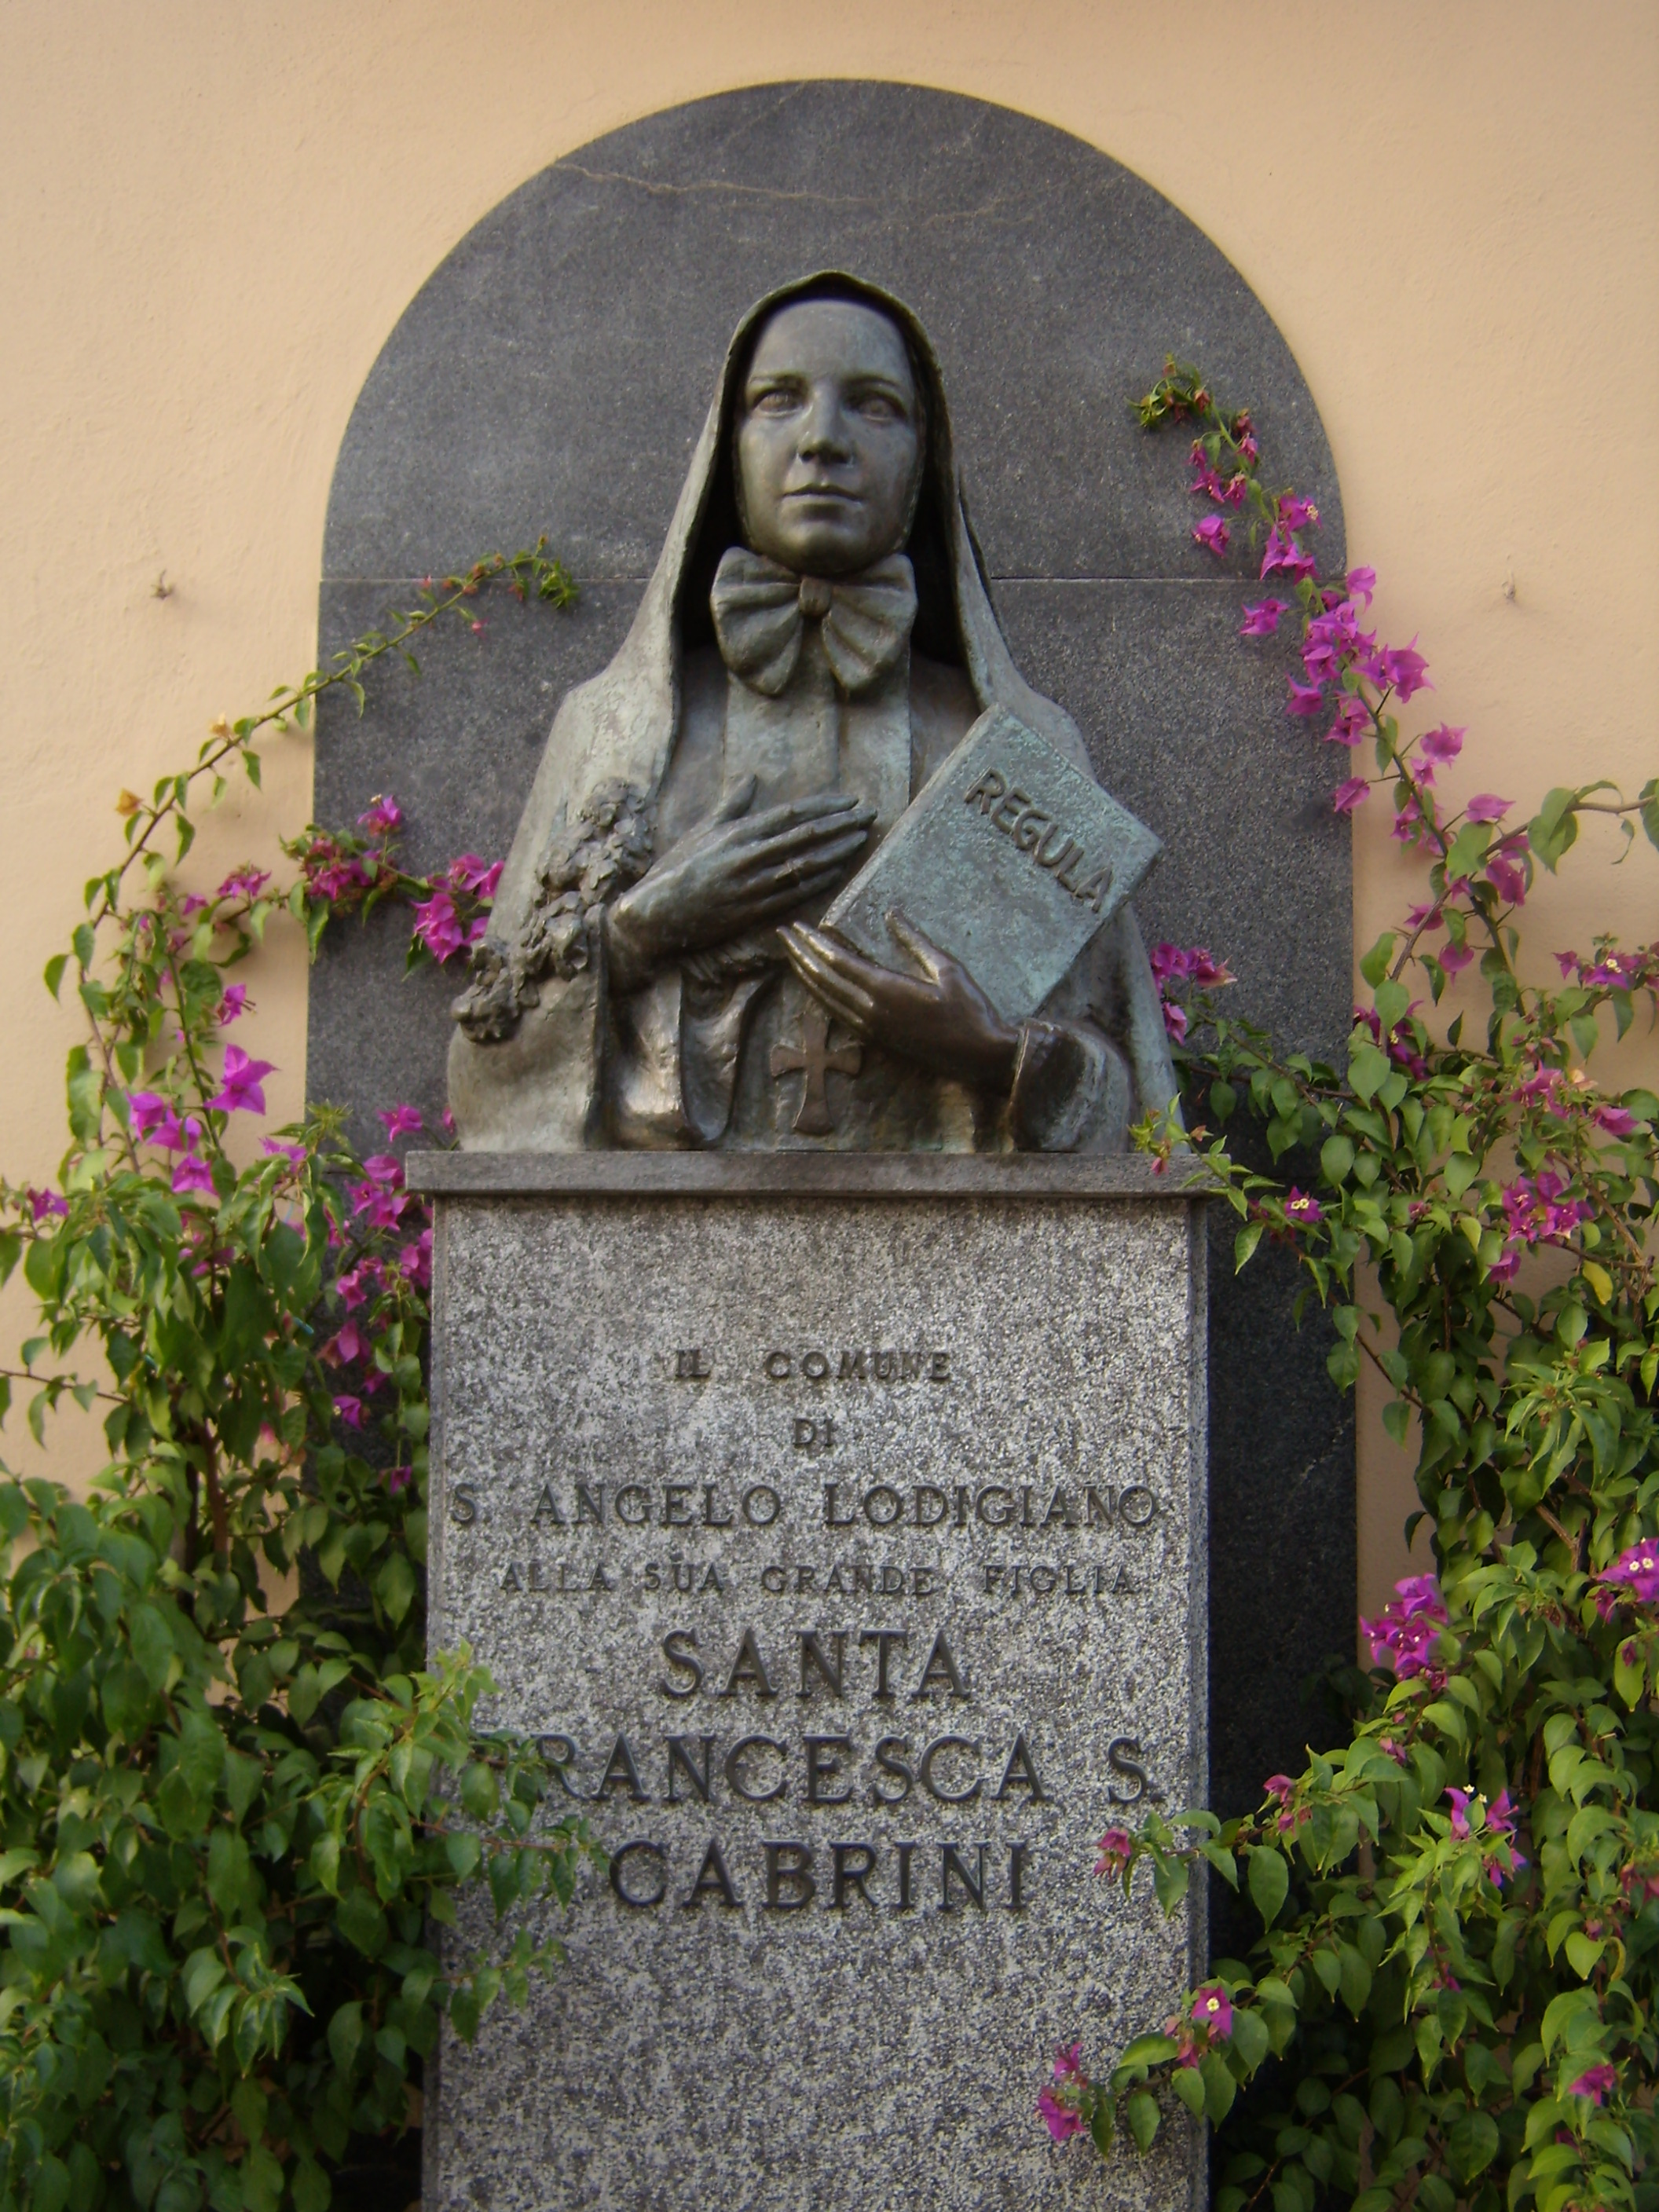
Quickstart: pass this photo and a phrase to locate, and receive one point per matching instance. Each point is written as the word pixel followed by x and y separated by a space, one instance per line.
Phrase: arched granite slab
pixel 552 374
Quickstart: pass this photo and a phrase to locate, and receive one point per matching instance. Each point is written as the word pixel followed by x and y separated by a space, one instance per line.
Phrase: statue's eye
pixel 777 399
pixel 879 407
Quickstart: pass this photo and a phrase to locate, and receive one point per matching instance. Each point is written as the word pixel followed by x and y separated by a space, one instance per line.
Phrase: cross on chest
pixel 813 1059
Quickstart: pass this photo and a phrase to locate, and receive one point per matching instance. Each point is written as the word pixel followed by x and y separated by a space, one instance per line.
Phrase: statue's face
pixel 829 438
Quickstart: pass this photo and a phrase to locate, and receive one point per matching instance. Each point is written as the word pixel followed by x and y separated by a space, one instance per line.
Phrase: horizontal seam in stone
pixel 1188 583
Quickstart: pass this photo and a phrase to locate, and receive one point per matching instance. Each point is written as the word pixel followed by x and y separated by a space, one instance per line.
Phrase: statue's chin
pixel 825 550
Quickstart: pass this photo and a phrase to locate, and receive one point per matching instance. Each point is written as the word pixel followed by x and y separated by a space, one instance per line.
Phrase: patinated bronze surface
pixel 816 643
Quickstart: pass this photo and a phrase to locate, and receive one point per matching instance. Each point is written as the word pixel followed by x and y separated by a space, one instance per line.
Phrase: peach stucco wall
pixel 216 212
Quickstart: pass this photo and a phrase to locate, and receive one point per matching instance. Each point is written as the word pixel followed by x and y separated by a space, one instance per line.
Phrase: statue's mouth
pixel 820 492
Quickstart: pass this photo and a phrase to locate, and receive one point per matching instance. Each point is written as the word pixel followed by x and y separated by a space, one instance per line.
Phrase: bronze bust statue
pixel 816 640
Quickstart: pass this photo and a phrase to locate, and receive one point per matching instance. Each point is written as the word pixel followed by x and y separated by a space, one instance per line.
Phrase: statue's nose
pixel 823 436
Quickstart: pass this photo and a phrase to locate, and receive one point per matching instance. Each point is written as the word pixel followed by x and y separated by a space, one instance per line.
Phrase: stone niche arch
pixel 551 376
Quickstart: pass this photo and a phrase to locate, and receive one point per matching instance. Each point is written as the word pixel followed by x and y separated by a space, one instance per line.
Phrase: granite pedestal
pixel 838 1521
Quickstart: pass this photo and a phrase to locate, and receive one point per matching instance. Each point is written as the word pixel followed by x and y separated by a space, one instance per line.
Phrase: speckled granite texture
pixel 960 1442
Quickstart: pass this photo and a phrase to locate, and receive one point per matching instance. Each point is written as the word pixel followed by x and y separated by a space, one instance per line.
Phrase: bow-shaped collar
pixel 760 606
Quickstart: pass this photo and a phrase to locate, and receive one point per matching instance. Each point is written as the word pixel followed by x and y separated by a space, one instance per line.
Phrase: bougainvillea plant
pixel 1451 2003
pixel 235 1799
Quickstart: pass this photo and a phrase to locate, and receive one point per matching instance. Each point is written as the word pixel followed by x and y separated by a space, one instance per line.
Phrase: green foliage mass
pixel 237 1804
pixel 1451 2003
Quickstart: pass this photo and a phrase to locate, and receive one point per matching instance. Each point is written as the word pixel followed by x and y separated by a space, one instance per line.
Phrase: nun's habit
pixel 733 666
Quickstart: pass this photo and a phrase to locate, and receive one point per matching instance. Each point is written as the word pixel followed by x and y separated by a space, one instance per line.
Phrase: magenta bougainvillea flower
pixel 243 883
pixel 1261 620
pixel 1284 555
pixel 470 873
pixel 1305 698
pixel 1405 1632
pixel 1361 582
pixel 192 1175
pixel 438 926
pixel 1114 1847
pixel 1063 2122
pixel 382 816
pixel 1213 2008
pixel 1441 744
pixel 1298 1206
pixel 1352 725
pixel 1487 806
pixel 234 1003
pixel 1213 534
pixel 1595 2082
pixel 1638 1569
pixel 1401 668
pixel 241 1086
pixel 1188 964
pixel 1352 793
pixel 400 1121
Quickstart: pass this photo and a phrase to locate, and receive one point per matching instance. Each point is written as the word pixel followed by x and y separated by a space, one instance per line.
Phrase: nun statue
pixel 817 639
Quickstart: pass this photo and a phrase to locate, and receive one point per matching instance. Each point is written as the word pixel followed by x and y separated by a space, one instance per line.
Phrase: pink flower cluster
pixel 1226 491
pixel 1209 2021
pixel 1280 1789
pixel 153 1119
pixel 1637 1569
pixel 443 927
pixel 1174 965
pixel 1536 1213
pixel 1613 971
pixel 1404 1634
pixel 1115 1848
pixel 1497 1822
pixel 379 1204
pixel 1400 1044
pixel 1595 2082
pixel 332 872
pixel 1059 2103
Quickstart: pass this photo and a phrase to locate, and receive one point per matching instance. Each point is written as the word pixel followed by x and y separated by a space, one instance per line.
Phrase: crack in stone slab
pixel 660 188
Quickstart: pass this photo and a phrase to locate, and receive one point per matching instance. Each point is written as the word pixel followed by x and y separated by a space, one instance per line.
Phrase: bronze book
pixel 1008 857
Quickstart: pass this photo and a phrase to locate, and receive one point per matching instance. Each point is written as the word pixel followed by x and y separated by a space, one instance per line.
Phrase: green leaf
pixel 1149 2051
pixel 1368 1069
pixel 1473 2144
pixel 362 1922
pixel 1270 1883
pixel 1374 965
pixel 1356 1979
pixel 312 2190
pixel 1101 2125
pixel 1251 2038
pixel 1220 2087
pixel 1245 1243
pixel 395 1585
pixel 49 2191
pixel 1335 1159
pixel 1143 2116
pixel 345 2035
pixel 1188 2084
pixel 1583 1951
